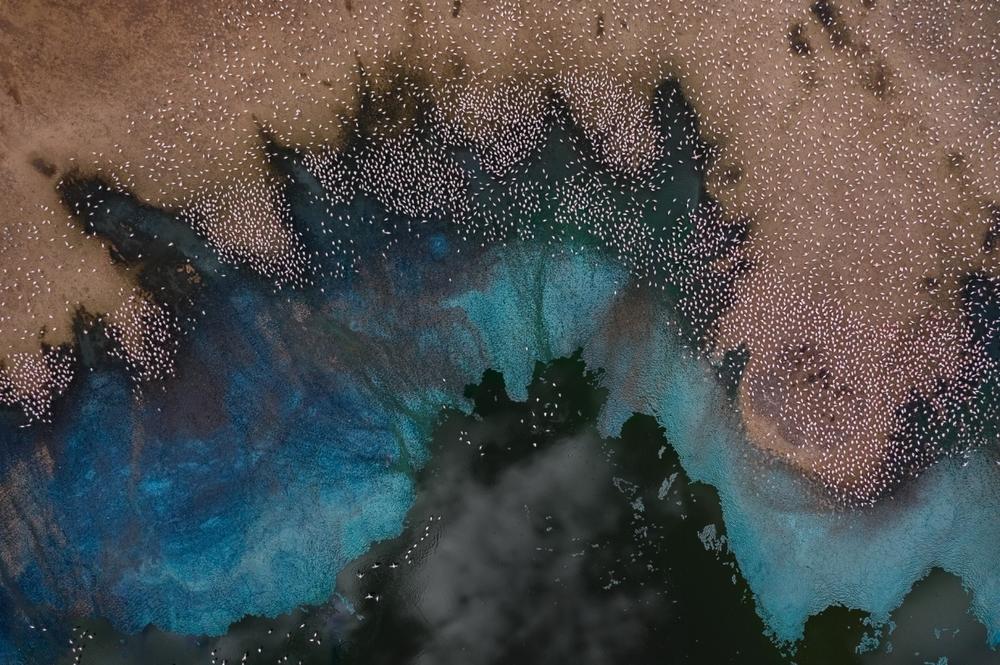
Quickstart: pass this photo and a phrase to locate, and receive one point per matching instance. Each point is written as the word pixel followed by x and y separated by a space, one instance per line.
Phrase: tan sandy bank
pixel 859 136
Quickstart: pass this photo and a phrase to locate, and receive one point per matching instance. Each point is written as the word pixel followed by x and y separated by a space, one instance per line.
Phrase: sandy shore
pixel 860 138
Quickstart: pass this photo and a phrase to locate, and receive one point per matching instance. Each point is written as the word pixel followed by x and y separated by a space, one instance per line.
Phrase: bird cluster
pixel 855 144
pixel 31 382
pixel 146 337
pixel 78 641
pixel 257 231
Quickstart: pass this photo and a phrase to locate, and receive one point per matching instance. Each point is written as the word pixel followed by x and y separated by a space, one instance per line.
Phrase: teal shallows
pixel 536 306
pixel 798 555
